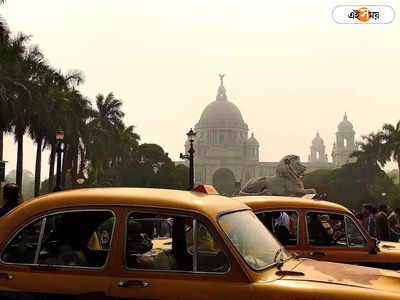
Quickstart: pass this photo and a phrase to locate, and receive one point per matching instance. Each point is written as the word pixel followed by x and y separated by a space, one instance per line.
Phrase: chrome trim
pixel 334 213
pixel 345 228
pixel 359 229
pixel 19 229
pixel 39 245
pixel 195 240
pixel 147 209
pixel 297 225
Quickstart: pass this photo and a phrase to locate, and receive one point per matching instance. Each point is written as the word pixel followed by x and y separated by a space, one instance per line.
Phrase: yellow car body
pixel 45 253
pixel 383 254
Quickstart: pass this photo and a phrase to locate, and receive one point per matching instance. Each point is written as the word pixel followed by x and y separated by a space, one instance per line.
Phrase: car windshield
pixel 252 240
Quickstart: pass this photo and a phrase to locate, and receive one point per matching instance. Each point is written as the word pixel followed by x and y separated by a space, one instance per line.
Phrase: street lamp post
pixel 191 136
pixel 384 197
pixel 59 150
pixel 2 171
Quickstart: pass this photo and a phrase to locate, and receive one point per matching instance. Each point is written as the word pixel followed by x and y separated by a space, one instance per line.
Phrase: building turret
pixel 318 153
pixel 345 143
pixel 252 147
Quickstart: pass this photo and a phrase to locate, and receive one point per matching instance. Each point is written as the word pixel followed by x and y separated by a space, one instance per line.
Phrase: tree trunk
pixel 66 165
pixel 51 167
pixel 20 155
pixel 398 166
pixel 1 145
pixel 38 167
pixel 74 165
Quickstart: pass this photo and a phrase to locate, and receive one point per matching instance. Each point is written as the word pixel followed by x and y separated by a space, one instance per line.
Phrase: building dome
pixel 221 113
pixel 317 140
pixel 253 141
pixel 345 125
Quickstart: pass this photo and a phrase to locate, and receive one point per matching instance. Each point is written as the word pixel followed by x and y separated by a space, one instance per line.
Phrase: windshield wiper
pixel 279 263
pixel 278 258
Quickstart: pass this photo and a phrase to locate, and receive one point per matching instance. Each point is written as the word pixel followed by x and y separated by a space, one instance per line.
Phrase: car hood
pixel 388 246
pixel 344 274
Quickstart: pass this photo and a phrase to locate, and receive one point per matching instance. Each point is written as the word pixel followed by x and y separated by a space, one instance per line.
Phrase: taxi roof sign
pixel 205 189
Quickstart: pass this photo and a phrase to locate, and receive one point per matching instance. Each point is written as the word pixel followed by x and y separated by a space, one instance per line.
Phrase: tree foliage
pixel 350 187
pixel 38 99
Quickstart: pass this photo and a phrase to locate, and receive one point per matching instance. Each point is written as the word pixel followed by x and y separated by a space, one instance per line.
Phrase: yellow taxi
pixel 322 230
pixel 128 243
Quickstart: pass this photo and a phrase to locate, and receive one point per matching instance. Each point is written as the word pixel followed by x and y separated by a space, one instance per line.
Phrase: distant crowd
pixel 382 223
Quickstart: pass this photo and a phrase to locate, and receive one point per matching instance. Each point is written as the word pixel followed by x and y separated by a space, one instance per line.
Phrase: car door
pixel 175 256
pixel 334 236
pixel 58 255
pixel 284 224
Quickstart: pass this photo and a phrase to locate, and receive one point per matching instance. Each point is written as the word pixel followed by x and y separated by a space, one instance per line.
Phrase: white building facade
pixel 227 157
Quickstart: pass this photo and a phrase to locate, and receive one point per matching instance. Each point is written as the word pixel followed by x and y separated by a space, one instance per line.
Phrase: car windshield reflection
pixel 251 239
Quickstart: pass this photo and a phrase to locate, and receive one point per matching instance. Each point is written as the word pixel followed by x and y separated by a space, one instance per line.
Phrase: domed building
pixel 226 157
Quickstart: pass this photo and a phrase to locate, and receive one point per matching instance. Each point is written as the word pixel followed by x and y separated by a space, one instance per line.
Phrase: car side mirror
pixel 374 248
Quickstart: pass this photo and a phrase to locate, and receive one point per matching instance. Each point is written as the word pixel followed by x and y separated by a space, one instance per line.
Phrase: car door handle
pixel 133 283
pixel 6 276
pixel 318 253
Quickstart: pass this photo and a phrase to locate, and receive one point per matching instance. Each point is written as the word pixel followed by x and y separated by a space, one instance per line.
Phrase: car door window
pixel 166 242
pixel 23 246
pixel 63 239
pixel 326 229
pixel 354 235
pixel 210 257
pixel 282 224
pixel 71 239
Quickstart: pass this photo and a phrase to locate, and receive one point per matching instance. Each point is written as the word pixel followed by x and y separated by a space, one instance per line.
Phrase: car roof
pixel 209 205
pixel 262 202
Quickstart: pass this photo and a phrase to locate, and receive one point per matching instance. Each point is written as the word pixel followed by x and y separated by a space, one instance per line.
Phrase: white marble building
pixel 227 157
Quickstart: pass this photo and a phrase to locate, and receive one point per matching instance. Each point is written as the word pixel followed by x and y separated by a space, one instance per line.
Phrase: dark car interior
pixel 143 232
pixel 67 236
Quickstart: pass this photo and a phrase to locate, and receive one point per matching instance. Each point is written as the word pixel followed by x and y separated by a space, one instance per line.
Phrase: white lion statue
pixel 287 182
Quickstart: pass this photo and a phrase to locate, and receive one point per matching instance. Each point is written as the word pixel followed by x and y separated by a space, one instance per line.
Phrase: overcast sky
pixel 289 68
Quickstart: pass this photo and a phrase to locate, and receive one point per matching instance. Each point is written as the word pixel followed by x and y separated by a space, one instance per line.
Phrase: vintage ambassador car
pixel 126 243
pixel 322 230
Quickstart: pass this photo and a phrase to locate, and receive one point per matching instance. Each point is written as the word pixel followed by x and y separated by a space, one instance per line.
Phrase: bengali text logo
pixel 372 14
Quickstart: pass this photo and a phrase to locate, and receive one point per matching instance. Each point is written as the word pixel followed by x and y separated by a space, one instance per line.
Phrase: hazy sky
pixel 290 68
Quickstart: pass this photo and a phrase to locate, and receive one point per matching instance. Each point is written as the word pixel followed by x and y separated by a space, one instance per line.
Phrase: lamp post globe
pixel 191 135
pixel 59 134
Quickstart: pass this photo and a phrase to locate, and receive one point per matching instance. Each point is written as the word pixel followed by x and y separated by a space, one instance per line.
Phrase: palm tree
pixel 42 115
pixel 61 113
pixel 104 126
pixel 79 112
pixel 126 145
pixel 32 63
pixel 371 151
pixel 371 156
pixel 17 76
pixel 392 138
pixel 11 50
pixel 3 25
